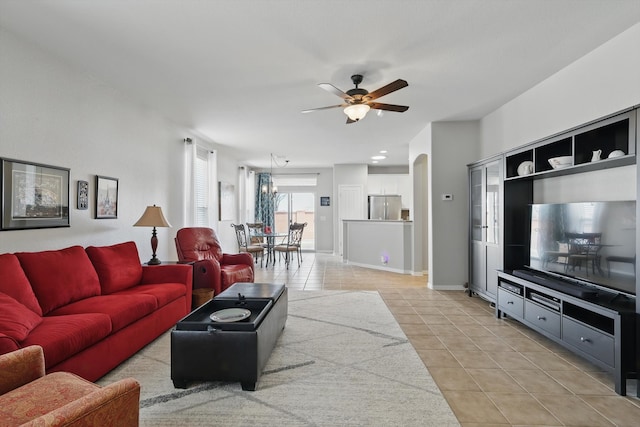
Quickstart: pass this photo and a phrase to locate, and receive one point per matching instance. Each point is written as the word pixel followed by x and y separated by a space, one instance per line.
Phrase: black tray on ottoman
pixel 202 349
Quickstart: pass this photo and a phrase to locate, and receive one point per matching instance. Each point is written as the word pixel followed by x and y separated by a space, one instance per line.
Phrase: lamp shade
pixel 152 217
pixel 357 111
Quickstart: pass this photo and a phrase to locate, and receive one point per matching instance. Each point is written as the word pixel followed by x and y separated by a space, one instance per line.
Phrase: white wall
pixel 454 145
pixel 587 187
pixel 602 82
pixel 324 214
pixel 449 147
pixel 55 114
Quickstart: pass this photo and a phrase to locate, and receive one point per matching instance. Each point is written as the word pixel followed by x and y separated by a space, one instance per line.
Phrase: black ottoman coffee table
pixel 206 350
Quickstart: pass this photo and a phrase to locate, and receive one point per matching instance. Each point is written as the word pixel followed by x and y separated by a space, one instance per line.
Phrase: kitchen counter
pixel 379 244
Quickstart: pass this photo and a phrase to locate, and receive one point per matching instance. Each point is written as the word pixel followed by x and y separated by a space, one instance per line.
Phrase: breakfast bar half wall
pixel 383 245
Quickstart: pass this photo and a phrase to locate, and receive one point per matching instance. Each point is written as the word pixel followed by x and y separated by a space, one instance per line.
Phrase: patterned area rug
pixel 342 360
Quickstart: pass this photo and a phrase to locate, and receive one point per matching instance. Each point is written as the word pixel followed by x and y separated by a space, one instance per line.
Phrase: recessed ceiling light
pixel 375 161
pixel 378 157
pixel 383 151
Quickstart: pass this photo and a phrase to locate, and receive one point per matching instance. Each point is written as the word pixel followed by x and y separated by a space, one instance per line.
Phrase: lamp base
pixel 154 261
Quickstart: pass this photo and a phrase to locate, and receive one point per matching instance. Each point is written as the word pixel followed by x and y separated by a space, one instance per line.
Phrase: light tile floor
pixel 491 371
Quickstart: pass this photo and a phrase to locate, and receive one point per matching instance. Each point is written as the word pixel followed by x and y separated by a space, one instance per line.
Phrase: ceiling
pixel 240 72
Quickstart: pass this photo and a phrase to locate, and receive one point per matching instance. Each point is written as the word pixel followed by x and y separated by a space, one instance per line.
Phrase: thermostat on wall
pixel 447 197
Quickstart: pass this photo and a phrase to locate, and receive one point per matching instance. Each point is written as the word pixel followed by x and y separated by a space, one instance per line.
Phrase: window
pixel 202 189
pixel 200 197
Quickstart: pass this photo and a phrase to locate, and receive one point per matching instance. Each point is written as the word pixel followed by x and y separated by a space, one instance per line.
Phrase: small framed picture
pixel 83 195
pixel 106 197
pixel 325 201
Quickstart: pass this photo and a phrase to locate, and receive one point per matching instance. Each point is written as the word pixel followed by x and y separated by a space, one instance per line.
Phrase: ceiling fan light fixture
pixel 357 111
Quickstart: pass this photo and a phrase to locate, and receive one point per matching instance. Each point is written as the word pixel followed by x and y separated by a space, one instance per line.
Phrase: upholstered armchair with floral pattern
pixel 28 397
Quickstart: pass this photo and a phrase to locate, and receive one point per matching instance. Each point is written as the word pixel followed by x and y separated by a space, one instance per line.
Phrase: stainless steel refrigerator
pixel 385 207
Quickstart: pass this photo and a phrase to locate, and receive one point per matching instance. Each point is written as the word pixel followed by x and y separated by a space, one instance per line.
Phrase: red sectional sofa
pixel 89 309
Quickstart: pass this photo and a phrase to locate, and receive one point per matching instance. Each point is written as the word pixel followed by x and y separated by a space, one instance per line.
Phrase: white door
pixel 350 206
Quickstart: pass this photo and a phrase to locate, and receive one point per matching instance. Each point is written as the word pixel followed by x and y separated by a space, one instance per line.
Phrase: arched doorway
pixel 421 215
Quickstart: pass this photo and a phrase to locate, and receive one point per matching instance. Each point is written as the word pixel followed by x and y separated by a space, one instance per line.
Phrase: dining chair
pixel 255 229
pixel 584 247
pixel 292 243
pixel 245 245
pixel 620 259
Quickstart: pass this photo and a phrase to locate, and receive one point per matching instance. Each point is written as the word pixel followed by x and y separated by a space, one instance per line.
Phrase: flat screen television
pixel 593 243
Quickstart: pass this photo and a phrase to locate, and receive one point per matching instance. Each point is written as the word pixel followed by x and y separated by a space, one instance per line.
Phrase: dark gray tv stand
pixel 600 329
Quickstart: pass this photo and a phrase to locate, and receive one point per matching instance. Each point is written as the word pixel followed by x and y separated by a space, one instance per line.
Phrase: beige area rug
pixel 342 360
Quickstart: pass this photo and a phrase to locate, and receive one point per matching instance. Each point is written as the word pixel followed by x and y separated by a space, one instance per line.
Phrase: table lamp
pixel 153 217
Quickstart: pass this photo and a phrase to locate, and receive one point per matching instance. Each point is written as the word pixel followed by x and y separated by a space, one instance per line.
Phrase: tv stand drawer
pixel 588 340
pixel 510 303
pixel 542 318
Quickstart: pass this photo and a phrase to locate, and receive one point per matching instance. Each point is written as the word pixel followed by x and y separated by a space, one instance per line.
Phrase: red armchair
pixel 28 397
pixel 212 268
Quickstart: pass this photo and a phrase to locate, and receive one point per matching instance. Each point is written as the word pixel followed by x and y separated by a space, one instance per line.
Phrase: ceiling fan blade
pixel 324 108
pixel 334 90
pixel 384 90
pixel 388 107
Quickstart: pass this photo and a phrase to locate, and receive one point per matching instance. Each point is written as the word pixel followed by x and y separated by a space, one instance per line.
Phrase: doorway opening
pixel 297 207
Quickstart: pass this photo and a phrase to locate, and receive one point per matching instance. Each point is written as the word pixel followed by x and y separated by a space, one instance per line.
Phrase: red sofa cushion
pixel 164 293
pixel 60 277
pixel 14 283
pixel 7 344
pixel 16 320
pixel 121 309
pixel 118 266
pixel 63 336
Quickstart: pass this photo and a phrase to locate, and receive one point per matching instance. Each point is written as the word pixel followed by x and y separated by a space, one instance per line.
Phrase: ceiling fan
pixel 357 101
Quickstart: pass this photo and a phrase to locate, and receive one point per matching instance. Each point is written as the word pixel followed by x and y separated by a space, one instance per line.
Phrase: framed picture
pixel 34 195
pixel 83 195
pixel 226 201
pixel 106 197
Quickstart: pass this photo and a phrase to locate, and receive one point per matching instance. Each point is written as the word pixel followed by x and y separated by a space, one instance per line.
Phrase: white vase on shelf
pixel 596 155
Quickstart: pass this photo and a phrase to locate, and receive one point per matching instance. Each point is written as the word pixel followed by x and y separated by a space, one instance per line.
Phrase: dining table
pixel 270 239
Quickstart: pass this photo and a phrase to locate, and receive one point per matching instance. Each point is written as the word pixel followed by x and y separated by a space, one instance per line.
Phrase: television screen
pixel 594 242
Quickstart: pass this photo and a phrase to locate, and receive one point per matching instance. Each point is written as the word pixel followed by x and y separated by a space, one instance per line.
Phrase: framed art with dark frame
pixel 34 195
pixel 106 197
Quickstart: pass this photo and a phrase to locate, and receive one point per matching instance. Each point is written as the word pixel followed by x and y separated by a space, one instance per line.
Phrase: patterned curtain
pixel 264 201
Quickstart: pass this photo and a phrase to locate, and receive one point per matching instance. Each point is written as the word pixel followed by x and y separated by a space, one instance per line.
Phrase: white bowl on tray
pixel 561 162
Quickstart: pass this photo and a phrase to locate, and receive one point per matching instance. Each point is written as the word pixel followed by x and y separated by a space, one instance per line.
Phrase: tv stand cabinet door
pixel 485 227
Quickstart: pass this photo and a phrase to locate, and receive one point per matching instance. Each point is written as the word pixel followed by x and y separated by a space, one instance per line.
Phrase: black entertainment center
pixel 568 267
